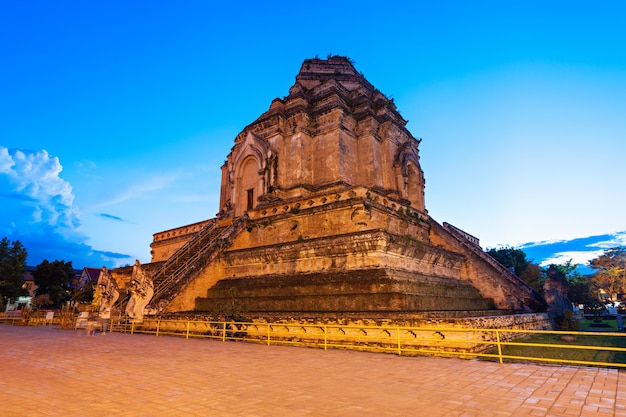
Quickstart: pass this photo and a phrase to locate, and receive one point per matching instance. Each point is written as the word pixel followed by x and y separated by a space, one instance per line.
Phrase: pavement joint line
pixel 49 372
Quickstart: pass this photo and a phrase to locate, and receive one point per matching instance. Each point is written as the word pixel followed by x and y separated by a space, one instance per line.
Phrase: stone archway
pixel 246 175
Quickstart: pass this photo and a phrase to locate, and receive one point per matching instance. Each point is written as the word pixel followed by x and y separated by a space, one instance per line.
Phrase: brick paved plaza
pixel 50 372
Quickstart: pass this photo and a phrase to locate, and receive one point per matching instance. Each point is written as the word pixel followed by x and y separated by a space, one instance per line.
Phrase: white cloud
pixel 38 209
pixel 542 243
pixel 618 239
pixel 138 189
pixel 6 161
pixel 577 257
pixel 87 164
pixel 34 176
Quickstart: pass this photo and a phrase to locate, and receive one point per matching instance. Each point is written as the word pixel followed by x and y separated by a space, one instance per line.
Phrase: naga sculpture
pixel 106 293
pixel 141 291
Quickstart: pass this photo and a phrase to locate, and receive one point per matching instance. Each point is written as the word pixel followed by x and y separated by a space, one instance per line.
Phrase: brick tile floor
pixel 45 371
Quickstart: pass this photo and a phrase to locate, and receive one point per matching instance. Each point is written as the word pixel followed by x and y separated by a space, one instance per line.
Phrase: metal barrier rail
pixel 38 318
pixel 11 318
pixel 491 344
pixel 31 319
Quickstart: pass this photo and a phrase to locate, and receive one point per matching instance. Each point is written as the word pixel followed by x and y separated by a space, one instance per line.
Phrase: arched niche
pixel 415 185
pixel 247 185
pixel 410 175
pixel 246 175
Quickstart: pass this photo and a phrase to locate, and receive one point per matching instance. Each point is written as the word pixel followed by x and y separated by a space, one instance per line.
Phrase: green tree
pixel 511 258
pixel 580 287
pixel 515 260
pixel 610 269
pixel 534 276
pixel 12 269
pixel 85 293
pixel 54 280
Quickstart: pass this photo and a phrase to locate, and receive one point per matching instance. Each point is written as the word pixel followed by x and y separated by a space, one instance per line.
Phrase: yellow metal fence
pixel 562 347
pixel 39 318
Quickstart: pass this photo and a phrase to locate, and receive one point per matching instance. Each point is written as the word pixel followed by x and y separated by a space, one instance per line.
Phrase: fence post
pixel 223 331
pixel 187 333
pixel 325 338
pixel 158 327
pixel 399 343
pixel 132 327
pixel 499 346
pixel 269 329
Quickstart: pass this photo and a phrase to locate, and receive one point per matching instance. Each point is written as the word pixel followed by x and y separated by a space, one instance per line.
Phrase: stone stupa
pixel 322 213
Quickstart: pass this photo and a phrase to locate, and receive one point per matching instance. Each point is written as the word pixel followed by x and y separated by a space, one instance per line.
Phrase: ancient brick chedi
pixel 322 211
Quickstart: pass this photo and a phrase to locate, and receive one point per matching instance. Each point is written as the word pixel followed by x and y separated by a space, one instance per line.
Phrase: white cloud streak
pixel 577 257
pixel 619 239
pixel 138 189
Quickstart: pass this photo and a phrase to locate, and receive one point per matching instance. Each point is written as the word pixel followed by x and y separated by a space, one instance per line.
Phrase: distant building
pixel 29 281
pixel 87 275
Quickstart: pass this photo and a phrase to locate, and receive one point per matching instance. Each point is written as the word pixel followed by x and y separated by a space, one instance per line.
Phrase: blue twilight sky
pixel 116 116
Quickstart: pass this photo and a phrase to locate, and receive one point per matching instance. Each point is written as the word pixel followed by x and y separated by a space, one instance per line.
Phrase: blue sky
pixel 116 116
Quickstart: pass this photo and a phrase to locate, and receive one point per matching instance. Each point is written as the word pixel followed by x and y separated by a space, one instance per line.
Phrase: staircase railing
pixel 474 248
pixel 190 259
pixel 179 257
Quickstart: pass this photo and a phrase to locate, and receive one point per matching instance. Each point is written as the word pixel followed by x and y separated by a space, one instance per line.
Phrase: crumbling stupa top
pixel 334 131
pixel 341 69
pixel 324 85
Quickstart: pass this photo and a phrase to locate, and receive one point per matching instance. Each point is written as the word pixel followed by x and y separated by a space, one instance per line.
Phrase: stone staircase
pixel 190 259
pixel 508 278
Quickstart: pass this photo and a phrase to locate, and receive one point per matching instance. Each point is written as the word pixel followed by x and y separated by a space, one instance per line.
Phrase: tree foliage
pixel 534 276
pixel 610 269
pixel 580 286
pixel 54 279
pixel 12 269
pixel 85 293
pixel 511 258
pixel 515 260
